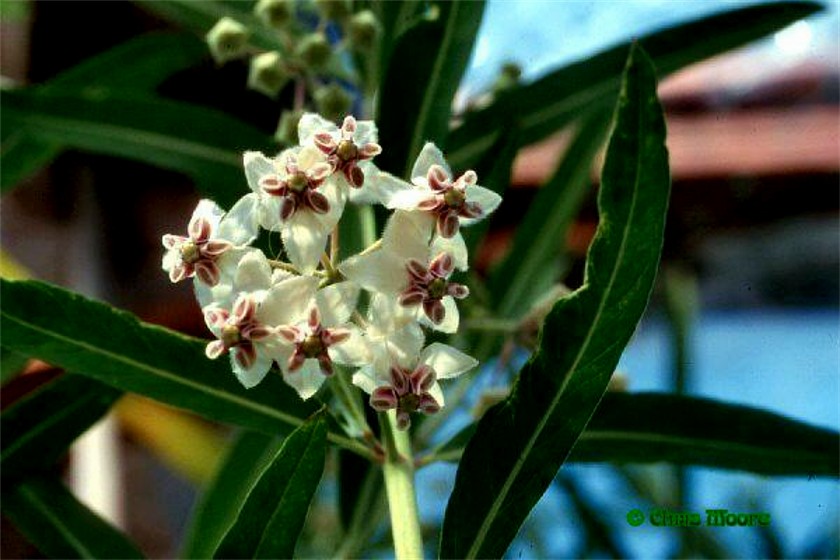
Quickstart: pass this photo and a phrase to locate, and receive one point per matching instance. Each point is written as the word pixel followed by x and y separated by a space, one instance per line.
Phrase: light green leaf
pixel 60 526
pixel 203 143
pixel 247 457
pixel 420 82
pixel 521 443
pixel 112 346
pixel 659 427
pixel 39 428
pixel 541 235
pixel 548 104
pixel 270 520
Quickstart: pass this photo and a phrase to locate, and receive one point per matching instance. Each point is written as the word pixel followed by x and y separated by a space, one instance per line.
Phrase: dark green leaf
pixel 247 458
pixel 112 346
pixel 59 525
pixel 658 427
pixel 420 82
pixel 521 443
pixel 39 428
pixel 554 100
pixel 11 364
pixel 542 233
pixel 137 66
pixel 205 144
pixel 646 427
pixel 270 520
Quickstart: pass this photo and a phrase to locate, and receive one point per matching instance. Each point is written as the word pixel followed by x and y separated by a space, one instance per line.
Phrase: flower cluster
pixel 301 314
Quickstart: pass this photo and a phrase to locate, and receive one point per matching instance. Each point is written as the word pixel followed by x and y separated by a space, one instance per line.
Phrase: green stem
pixel 346 394
pixel 398 470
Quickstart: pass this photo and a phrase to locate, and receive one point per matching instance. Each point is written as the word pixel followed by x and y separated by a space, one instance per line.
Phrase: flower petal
pixel 408 199
pixel 365 379
pixel 255 373
pixel 353 351
pixel 446 360
pixel 312 123
pixel 288 301
pixel 454 246
pixel 307 379
pixel 378 271
pixel 486 199
pixel 407 235
pixel 366 132
pixel 304 239
pixel 337 302
pixel 450 321
pixel 257 166
pixel 253 272
pixel 241 225
pixel 430 155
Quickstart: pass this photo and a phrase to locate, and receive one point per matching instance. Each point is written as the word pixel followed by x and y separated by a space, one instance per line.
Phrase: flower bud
pixel 314 50
pixel 287 128
pixel 275 13
pixel 228 39
pixel 332 102
pixel 267 74
pixel 508 77
pixel 335 10
pixel 363 30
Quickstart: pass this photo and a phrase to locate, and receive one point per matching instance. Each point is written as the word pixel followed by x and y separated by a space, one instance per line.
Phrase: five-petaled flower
pixel 411 383
pixel 412 270
pixel 210 234
pixel 348 149
pixel 296 199
pixel 433 191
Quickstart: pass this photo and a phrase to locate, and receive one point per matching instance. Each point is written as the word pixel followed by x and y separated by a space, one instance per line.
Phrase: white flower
pixel 452 202
pixel 409 270
pixel 296 199
pixel 414 387
pixel 241 314
pixel 348 149
pixel 392 334
pixel 314 333
pixel 210 234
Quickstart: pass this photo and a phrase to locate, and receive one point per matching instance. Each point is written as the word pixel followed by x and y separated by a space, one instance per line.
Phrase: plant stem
pixel 347 395
pixel 398 470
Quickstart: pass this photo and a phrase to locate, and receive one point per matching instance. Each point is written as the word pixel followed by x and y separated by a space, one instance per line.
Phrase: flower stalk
pixel 398 471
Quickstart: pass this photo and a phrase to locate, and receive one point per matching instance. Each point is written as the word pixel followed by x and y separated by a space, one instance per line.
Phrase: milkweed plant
pixel 335 270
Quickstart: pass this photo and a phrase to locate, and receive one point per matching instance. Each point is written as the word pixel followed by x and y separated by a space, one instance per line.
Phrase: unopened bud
pixel 335 10
pixel 275 13
pixel 314 50
pixel 287 128
pixel 332 102
pixel 267 74
pixel 363 30
pixel 228 39
pixel 508 78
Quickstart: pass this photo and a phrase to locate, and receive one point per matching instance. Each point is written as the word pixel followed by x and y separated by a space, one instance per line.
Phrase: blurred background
pixel 746 310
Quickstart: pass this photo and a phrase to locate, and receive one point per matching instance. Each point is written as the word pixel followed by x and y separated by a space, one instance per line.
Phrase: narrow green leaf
pixel 11 364
pixel 647 427
pixel 395 18
pixel 112 346
pixel 205 144
pixel 273 514
pixel 521 443
pixel 659 427
pixel 137 66
pixel 60 526
pixel 39 428
pixel 554 100
pixel 420 82
pixel 247 458
pixel 542 233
